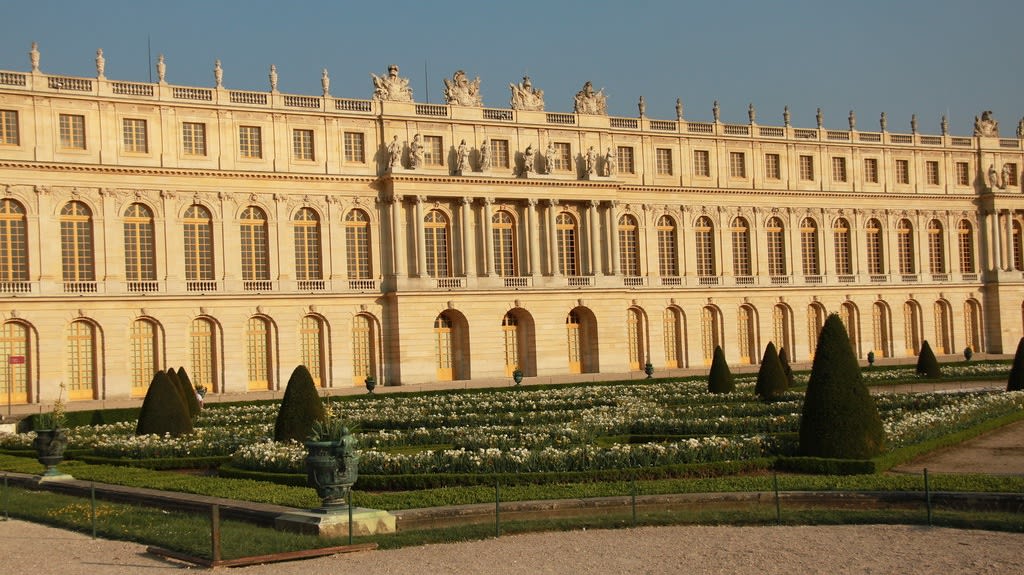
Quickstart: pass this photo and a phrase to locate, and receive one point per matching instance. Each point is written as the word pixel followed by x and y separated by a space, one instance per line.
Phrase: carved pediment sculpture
pixel 526 97
pixel 987 126
pixel 391 88
pixel 460 90
pixel 590 102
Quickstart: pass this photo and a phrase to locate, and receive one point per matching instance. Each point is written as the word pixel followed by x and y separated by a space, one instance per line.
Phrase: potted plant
pixel 371 382
pixel 332 465
pixel 871 358
pixel 51 436
pixel 517 376
pixel 649 369
pixel 968 352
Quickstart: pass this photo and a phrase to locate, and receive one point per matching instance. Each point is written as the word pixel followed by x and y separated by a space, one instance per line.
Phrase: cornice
pixel 178 172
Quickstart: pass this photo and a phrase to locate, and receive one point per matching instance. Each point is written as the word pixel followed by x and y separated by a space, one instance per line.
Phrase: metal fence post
pixel 350 516
pixel 632 489
pixel 497 508
pixel 6 516
pixel 928 496
pixel 778 505
pixel 92 501
pixel 215 531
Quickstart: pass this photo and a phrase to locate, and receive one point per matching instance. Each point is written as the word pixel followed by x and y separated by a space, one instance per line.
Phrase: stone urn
pixel 49 445
pixel 332 467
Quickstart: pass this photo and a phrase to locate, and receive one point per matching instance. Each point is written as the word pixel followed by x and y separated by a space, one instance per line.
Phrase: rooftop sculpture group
pixel 463 92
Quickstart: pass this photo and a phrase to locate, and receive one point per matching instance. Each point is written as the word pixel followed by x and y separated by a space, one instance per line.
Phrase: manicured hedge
pixel 826 466
pixel 161 463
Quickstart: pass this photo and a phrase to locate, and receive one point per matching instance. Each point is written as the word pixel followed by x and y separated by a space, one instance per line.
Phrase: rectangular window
pixel 433 149
pixel 701 163
pixel 563 157
pixel 807 168
pixel 135 135
pixel 302 144
pixel 931 169
pixel 1010 174
pixel 72 131
pixel 838 169
pixel 193 138
pixel 250 142
pixel 355 147
pixel 499 153
pixel 624 158
pixel 871 170
pixel 737 165
pixel 663 161
pixel 963 176
pixel 772 167
pixel 902 171
pixel 9 127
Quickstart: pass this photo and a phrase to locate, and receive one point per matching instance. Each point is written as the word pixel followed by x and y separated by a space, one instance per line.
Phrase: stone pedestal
pixel 335 523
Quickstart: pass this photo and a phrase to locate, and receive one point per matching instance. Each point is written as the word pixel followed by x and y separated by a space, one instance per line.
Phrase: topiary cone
pixel 300 407
pixel 720 378
pixel 771 377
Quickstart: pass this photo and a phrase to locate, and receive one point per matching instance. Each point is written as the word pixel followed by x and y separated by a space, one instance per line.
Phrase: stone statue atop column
pixel 853 121
pixel 161 69
pixel 273 78
pixel 391 88
pixel 883 122
pixel 679 109
pixel 820 118
pixel 101 64
pixel 462 91
pixel 525 96
pixel 588 101
pixel 786 116
pixel 716 112
pixel 218 74
pixel 944 125
pixel 752 113
pixel 642 106
pixel 33 56
pixel 913 123
pixel 325 83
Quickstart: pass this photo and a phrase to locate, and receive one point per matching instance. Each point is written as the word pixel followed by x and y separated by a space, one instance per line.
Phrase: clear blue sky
pixel 902 57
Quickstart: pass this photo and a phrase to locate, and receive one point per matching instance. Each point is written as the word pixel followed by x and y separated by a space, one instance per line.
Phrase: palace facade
pixel 240 233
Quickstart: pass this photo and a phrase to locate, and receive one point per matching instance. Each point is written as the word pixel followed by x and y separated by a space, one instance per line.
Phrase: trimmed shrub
pixel 927 365
pixel 784 360
pixel 720 378
pixel 771 378
pixel 163 411
pixel 1016 380
pixel 194 407
pixel 840 419
pixel 300 407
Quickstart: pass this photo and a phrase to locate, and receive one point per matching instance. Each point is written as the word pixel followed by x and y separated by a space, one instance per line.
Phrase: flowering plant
pixel 56 418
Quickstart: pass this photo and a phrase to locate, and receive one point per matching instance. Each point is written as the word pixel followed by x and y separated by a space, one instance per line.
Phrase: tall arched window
pixel 905 246
pixel 629 246
pixel 311 339
pixel 203 347
pixel 144 360
pixel 911 327
pixel 841 242
pixel 308 263
pixel 965 241
pixel 76 243
pixel 881 329
pixel 435 228
pixel 850 317
pixel 572 330
pixel 873 235
pixel 1018 247
pixel 972 324
pixel 711 332
pixel 255 247
pixel 258 353
pixel 776 237
pixel 139 249
pixel 943 327
pixel 80 374
pixel 815 321
pixel 503 239
pixel 673 336
pixel 443 348
pixel 364 349
pixel 782 330
pixel 936 248
pixel 14 341
pixel 741 265
pixel 704 238
pixel 13 242
pixel 636 334
pixel 510 336
pixel 567 237
pixel 809 247
pixel 746 333
pixel 668 259
pixel 357 244
pixel 198 245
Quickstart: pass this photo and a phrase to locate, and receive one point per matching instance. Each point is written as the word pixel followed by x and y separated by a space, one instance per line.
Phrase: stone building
pixel 239 233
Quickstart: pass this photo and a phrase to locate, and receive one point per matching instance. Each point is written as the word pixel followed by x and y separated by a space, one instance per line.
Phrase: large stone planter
pixel 49 445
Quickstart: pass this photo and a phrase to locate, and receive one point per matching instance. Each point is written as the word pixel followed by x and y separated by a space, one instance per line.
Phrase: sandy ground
pixel 1000 452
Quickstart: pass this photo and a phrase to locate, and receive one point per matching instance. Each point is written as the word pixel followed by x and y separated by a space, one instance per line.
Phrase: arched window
pixel 936 248
pixel 567 237
pixel 711 332
pixel 308 263
pixel 668 259
pixel 943 327
pixel 503 239
pixel 972 324
pixel 436 244
pixel 510 336
pixel 629 246
pixel 14 341
pixel 139 249
pixel 776 236
pixel 357 244
pixel 76 243
pixel 255 248
pixel 203 344
pixel 80 374
pixel 782 329
pixel 311 339
pixel 911 328
pixel 881 329
pixel 841 242
pixel 905 246
pixel 673 334
pixel 746 333
pixel 815 321
pixel 364 349
pixel 443 348
pixel 741 248
pixel 198 245
pixel 573 333
pixel 258 353
pixel 144 360
pixel 873 235
pixel 965 240
pixel 704 238
pixel 809 247
pixel 13 242
pixel 1018 247
pixel 850 317
pixel 637 339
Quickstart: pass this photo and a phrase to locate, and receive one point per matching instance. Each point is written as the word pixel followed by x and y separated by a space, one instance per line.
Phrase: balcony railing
pixel 142 286
pixel 450 283
pixel 310 285
pixel 516 282
pixel 909 278
pixel 634 281
pixel 201 286
pixel 707 280
pixel 671 281
pixel 363 285
pixel 16 287
pixel 579 281
pixel 80 287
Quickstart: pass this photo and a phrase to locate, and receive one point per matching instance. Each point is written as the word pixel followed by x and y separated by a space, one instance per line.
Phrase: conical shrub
pixel 163 411
pixel 720 378
pixel 839 417
pixel 771 378
pixel 927 365
pixel 188 393
pixel 300 407
pixel 784 360
pixel 1016 380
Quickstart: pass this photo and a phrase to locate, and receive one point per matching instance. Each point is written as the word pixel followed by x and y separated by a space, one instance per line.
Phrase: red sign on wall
pixel 15 359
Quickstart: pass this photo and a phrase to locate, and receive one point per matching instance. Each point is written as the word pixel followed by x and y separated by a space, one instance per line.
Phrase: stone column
pixel 592 256
pixel 533 236
pixel 1008 259
pixel 611 237
pixel 398 237
pixel 468 259
pixel 553 266
pixel 488 237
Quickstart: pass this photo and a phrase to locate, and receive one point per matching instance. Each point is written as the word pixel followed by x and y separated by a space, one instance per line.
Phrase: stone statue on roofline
pixel 590 102
pixel 461 91
pixel 325 83
pixel 161 69
pixel 101 64
pixel 218 74
pixel 273 78
pixel 391 88
pixel 525 96
pixel 987 126
pixel 33 56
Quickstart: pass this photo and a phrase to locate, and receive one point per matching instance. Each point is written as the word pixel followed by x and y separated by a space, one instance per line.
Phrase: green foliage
pixel 826 466
pixel 720 378
pixel 840 419
pixel 300 408
pixel 186 391
pixel 1016 380
pixel 771 377
pixel 163 410
pixel 158 463
pixel 784 360
pixel 186 385
pixel 927 365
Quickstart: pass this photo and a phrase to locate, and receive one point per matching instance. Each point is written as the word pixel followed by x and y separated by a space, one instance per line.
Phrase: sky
pixel 903 57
